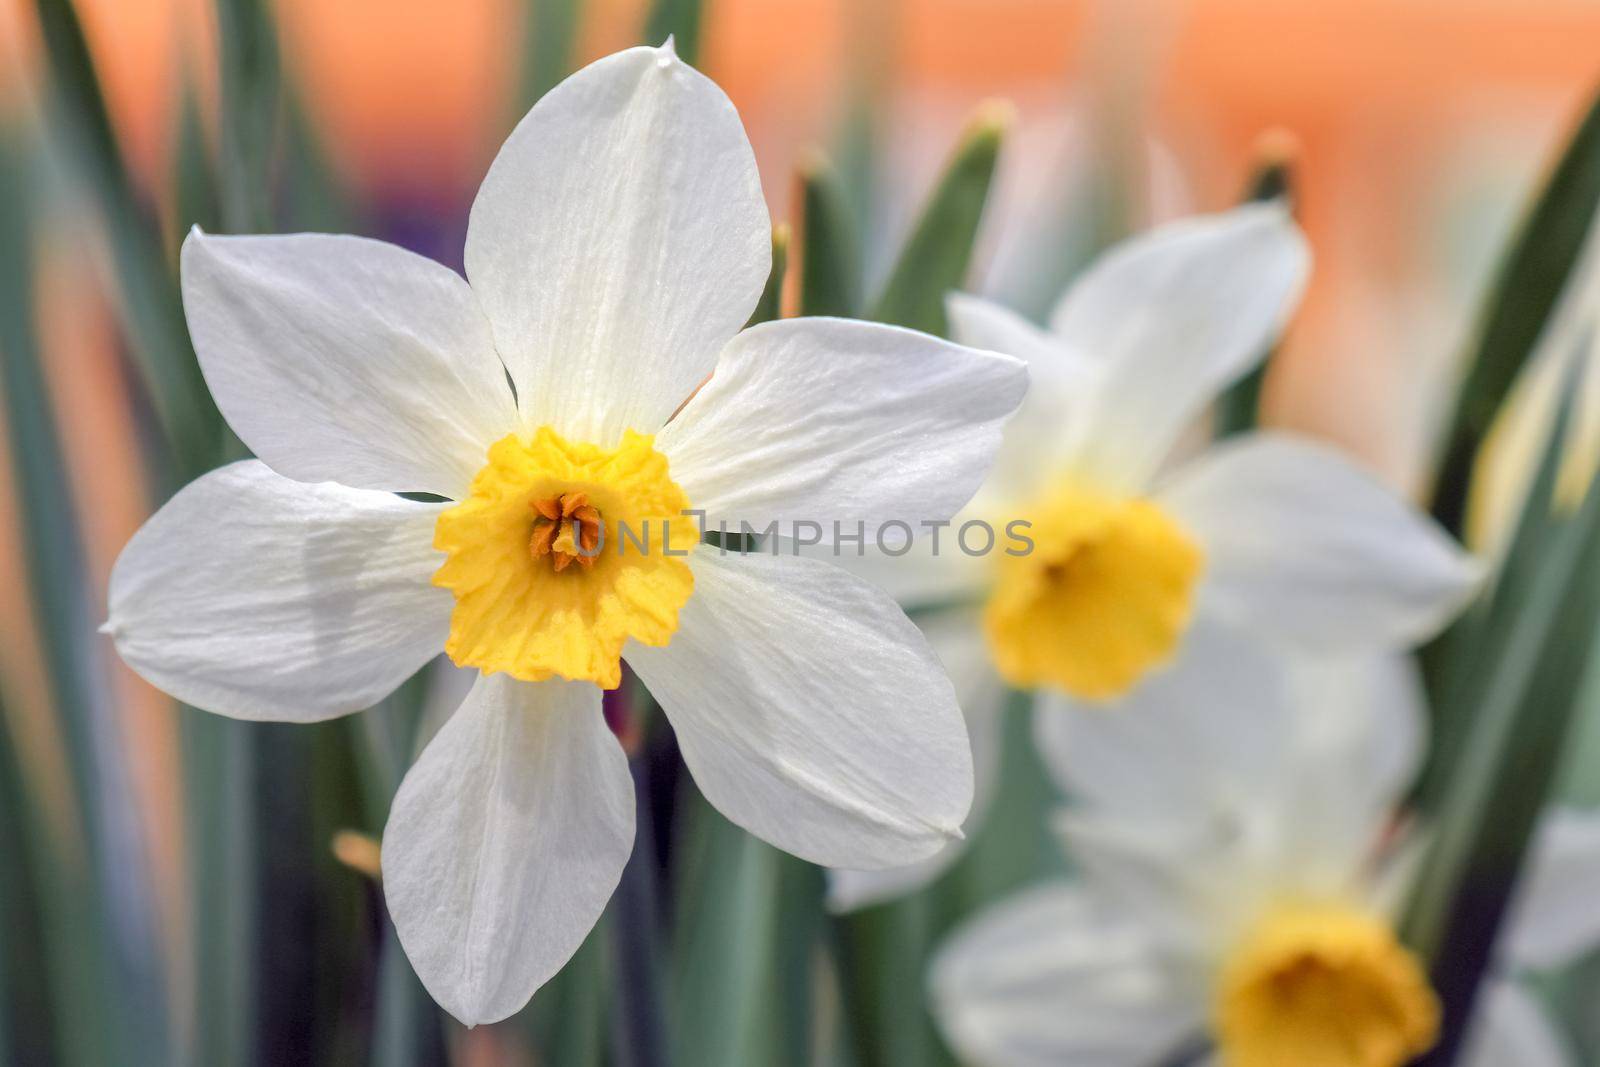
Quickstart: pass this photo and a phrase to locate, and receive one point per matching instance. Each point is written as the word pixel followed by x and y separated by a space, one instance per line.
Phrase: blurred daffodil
pixel 1131 552
pixel 1264 530
pixel 618 244
pixel 1240 868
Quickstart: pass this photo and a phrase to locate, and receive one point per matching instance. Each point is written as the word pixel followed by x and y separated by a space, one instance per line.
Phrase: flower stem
pixel 639 1030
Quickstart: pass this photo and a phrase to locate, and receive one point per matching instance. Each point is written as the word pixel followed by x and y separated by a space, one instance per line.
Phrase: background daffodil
pixel 1136 539
pixel 1240 866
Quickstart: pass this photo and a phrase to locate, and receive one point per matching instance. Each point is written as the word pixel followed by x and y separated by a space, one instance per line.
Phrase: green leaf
pixel 196 181
pixel 1239 409
pixel 568 1018
pixel 1464 657
pixel 1523 677
pixel 640 1034
pixel 312 198
pixel 549 34
pixel 747 921
pixel 406 1026
pixel 935 258
pixel 683 20
pixel 248 59
pixel 1529 283
pixel 149 299
pixel 770 306
pixel 27 1017
pixel 830 245
pixel 882 952
pixel 107 973
pixel 1015 844
pixel 219 831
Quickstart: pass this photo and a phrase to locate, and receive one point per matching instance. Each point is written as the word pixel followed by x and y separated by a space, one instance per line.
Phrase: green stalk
pixel 568 1017
pixel 683 20
pixel 1524 294
pixel 233 869
pixel 550 32
pixel 936 255
pixel 220 829
pixel 103 927
pixel 1015 844
pixel 29 1021
pixel 880 952
pixel 727 887
pixel 248 49
pixel 406 1027
pixel 770 305
pixel 1239 409
pixel 149 302
pixel 830 245
pixel 1521 679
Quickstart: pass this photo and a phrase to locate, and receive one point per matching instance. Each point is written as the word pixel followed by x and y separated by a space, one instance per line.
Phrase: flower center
pixel 1103 597
pixel 1323 986
pixel 567 528
pixel 539 506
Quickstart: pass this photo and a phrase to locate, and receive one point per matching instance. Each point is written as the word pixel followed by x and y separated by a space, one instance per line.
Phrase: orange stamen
pixel 552 514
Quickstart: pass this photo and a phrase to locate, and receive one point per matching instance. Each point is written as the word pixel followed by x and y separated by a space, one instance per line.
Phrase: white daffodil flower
pixel 1241 868
pixel 615 250
pixel 1127 551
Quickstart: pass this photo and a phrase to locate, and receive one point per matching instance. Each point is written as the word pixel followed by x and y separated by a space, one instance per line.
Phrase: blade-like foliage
pixel 1239 408
pixel 149 301
pixel 248 47
pixel 1521 670
pixel 770 305
pixel 682 20
pixel 935 257
pixel 550 31
pixel 1525 292
pixel 830 245
pixel 106 970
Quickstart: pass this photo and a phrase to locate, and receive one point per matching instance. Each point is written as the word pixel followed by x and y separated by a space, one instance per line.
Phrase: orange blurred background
pixel 1421 124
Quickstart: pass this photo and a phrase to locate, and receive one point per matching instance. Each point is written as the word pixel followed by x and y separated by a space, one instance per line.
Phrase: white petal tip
pixel 107 628
pixel 667 54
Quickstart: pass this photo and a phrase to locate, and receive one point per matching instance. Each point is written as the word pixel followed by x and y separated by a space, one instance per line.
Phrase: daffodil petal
pixel 1360 734
pixel 957 640
pixel 982 323
pixel 1192 882
pixel 834 421
pixel 1061 386
pixel 1057 975
pixel 258 597
pixel 619 240
pixel 915 572
pixel 1174 317
pixel 1511 1027
pixel 1302 544
pixel 812 712
pixel 1194 741
pixel 1554 919
pixel 1304 758
pixel 505 842
pixel 344 359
